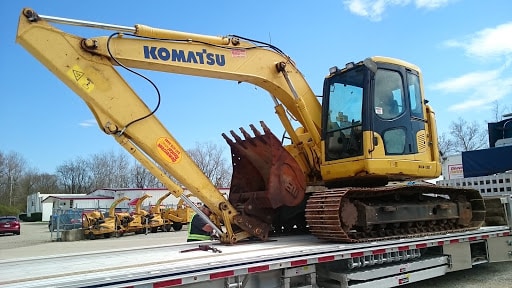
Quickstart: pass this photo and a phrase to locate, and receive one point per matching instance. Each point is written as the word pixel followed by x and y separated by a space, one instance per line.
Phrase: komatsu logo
pixel 174 55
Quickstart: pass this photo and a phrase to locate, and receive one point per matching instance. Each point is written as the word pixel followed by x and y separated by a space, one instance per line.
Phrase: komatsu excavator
pixel 372 126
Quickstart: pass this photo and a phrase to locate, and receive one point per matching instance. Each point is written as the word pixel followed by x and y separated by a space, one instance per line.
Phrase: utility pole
pixel 10 193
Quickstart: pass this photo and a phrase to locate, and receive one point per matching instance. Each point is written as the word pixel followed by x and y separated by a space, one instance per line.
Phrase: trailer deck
pixel 167 265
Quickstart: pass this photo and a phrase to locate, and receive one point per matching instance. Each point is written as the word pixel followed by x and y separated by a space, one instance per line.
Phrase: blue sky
pixel 464 48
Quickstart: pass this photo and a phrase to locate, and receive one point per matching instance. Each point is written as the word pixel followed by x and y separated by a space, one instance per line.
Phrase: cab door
pixel 396 117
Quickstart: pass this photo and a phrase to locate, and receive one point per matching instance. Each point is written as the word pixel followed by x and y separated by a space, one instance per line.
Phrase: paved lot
pixel 35 240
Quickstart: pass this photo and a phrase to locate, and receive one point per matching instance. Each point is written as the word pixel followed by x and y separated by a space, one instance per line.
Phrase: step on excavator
pixel 373 126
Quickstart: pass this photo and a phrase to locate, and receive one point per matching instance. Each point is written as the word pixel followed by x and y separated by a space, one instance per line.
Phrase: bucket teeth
pixel 255 131
pixel 248 138
pixel 230 142
pixel 237 138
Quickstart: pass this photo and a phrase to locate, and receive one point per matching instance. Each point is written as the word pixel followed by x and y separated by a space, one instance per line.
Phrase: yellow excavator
pixel 372 126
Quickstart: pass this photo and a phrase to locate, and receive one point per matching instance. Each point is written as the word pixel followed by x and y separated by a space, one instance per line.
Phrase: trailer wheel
pixel 91 236
pixel 168 227
pixel 177 226
pixel 107 235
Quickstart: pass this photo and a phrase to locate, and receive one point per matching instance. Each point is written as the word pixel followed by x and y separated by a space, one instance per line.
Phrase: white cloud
pixel 432 4
pixel 479 89
pixel 88 123
pixel 482 88
pixel 467 82
pixel 374 9
pixel 486 43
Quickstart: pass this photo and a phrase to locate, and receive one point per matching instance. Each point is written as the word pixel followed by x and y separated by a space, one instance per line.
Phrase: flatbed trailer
pixel 292 261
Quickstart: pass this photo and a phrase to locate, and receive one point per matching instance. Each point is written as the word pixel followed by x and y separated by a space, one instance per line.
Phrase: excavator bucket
pixel 265 175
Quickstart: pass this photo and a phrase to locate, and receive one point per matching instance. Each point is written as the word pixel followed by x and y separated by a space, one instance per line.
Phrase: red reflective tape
pixel 473 238
pixel 325 259
pixel 454 241
pixel 167 283
pixel 357 254
pixel 378 251
pixel 258 269
pixel 299 263
pixel 422 245
pixel 506 233
pixel 403 248
pixel 485 236
pixel 440 243
pixel 223 274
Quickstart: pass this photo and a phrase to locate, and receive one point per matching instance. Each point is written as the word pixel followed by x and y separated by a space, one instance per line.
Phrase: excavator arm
pixel 87 66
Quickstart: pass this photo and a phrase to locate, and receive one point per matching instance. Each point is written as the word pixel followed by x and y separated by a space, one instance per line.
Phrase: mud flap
pixel 265 175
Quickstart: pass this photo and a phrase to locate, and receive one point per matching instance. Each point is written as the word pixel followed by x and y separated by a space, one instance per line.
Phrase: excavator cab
pixel 393 140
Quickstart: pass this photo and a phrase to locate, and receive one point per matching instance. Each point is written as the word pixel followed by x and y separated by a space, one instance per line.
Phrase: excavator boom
pixel 87 67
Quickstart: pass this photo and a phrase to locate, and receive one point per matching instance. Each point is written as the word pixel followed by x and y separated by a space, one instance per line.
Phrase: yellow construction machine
pixel 95 224
pixel 372 126
pixel 169 218
pixel 140 218
pixel 158 222
pixel 176 218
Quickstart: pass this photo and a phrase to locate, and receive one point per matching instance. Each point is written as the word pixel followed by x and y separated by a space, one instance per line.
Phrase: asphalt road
pixel 36 241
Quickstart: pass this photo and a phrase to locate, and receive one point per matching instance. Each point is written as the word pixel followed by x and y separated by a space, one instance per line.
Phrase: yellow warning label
pixel 168 150
pixel 78 75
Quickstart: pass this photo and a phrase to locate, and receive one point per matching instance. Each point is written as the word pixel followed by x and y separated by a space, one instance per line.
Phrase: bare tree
pixel 446 145
pixel 142 178
pixel 467 136
pixel 109 170
pixel 208 157
pixel 75 177
pixel 32 182
pixel 498 111
pixel 12 166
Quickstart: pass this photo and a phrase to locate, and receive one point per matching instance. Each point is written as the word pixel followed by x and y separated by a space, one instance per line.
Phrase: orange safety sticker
pixel 168 150
pixel 78 75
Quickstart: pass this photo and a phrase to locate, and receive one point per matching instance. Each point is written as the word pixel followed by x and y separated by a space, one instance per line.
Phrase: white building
pixel 102 199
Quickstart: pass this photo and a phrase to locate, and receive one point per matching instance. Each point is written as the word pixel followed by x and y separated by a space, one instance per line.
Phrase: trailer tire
pixel 91 236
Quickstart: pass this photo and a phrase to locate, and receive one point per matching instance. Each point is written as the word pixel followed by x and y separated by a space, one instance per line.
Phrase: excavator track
pixel 368 214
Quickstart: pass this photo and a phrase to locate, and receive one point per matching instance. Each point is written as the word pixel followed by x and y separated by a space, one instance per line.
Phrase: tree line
pixel 103 170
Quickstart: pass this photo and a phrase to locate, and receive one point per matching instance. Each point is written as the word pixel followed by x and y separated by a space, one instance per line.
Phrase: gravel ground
pixel 36 240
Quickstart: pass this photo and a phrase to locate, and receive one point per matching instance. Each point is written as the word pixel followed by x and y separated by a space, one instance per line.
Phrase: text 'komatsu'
pixel 175 55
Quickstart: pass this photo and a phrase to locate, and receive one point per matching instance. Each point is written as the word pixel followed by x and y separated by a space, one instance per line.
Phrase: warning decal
pixel 78 75
pixel 168 150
